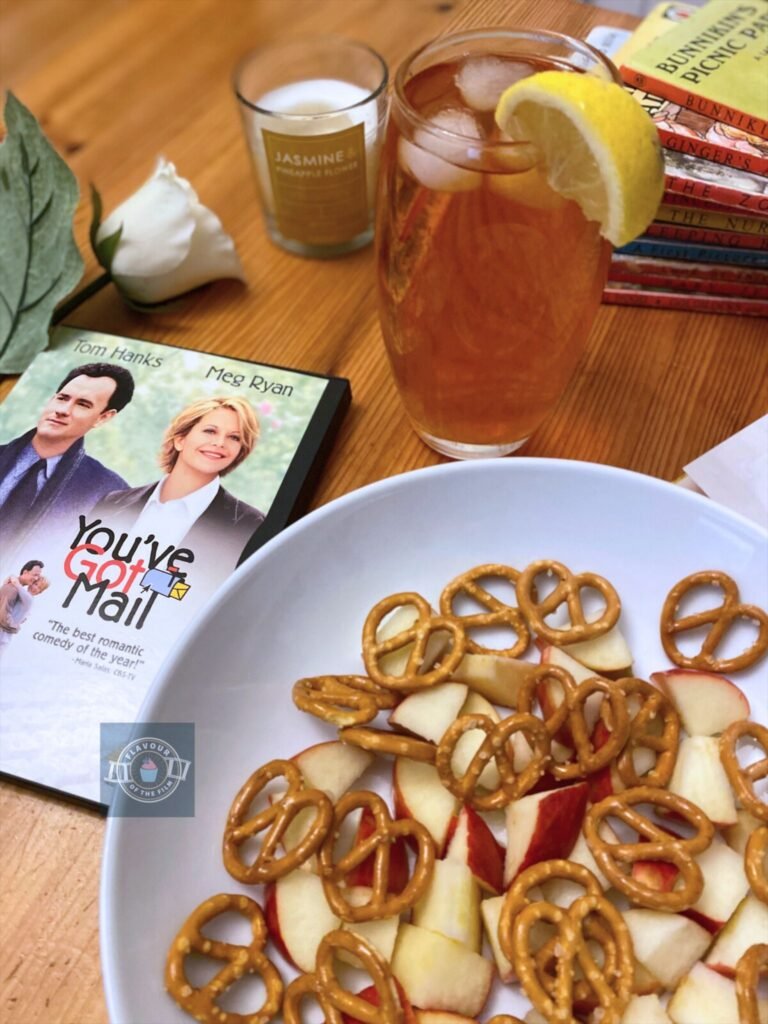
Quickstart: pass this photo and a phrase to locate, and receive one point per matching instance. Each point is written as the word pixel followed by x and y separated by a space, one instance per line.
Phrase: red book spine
pixel 687 269
pixel 676 199
pixel 709 286
pixel 702 105
pixel 707 236
pixel 692 303
pixel 729 197
pixel 692 145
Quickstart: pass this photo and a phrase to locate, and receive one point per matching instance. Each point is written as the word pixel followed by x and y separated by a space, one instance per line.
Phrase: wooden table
pixel 117 82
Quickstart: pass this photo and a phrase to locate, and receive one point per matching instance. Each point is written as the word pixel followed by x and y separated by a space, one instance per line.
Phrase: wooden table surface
pixel 116 83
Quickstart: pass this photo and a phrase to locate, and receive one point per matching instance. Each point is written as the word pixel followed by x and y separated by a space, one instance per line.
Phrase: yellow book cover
pixel 657 22
pixel 714 62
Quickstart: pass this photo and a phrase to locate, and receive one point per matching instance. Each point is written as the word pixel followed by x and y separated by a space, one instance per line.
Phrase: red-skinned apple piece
pixel 704 997
pixel 747 926
pixel 451 904
pixel 495 678
pixel 549 692
pixel 439 973
pixel 738 835
pixel 398 858
pixel 667 945
pixel 725 886
pixel 298 916
pixel 699 776
pixel 608 654
pixel 543 826
pixel 473 843
pixel 646 1009
pixel 419 794
pixel 380 933
pixel 707 703
pixel 370 995
pixel 428 713
pixel 605 781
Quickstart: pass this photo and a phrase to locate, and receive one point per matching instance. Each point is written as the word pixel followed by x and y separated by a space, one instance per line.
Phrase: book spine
pixel 719 220
pixel 701 104
pixel 707 236
pixel 677 199
pixel 691 145
pixel 732 198
pixel 691 303
pixel 699 253
pixel 687 269
pixel 702 285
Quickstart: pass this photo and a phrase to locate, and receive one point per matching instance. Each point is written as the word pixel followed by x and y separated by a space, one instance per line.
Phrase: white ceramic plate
pixel 297 607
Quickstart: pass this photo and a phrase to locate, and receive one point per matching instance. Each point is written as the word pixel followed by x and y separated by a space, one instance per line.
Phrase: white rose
pixel 170 242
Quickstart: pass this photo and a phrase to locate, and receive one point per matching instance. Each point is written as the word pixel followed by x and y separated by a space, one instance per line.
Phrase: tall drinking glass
pixel 488 280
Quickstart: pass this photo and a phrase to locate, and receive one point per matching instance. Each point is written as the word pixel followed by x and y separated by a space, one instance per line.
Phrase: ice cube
pixel 481 80
pixel 434 172
pixel 440 160
pixel 458 122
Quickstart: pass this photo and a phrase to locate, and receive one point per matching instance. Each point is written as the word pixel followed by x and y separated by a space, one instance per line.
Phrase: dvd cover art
pixel 134 477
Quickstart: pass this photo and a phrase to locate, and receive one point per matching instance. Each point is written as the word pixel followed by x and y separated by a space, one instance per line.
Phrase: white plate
pixel 297 607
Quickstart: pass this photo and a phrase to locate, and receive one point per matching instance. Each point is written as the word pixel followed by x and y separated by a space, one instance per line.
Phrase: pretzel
pixel 755 856
pixel 379 843
pixel 568 591
pixel 342 700
pixel 750 966
pixel 336 1002
pixel 498 614
pixel 570 711
pixel 382 741
pixel 612 857
pixel 240 960
pixel 719 620
pixel 517 897
pixel 654 707
pixel 276 818
pixel 494 747
pixel 415 638
pixel 611 984
pixel 743 779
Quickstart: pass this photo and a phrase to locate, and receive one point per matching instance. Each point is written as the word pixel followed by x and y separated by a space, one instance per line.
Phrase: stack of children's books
pixel 702 75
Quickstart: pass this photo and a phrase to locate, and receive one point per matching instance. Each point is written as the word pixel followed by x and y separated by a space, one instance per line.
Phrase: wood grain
pixel 117 82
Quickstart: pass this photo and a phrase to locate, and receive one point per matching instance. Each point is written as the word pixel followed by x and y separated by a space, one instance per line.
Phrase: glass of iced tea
pixel 488 279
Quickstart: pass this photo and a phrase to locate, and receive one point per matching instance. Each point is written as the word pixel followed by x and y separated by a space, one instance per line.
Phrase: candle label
pixel 319 185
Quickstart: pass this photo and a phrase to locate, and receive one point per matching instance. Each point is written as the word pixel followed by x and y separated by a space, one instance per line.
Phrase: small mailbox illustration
pixel 170 583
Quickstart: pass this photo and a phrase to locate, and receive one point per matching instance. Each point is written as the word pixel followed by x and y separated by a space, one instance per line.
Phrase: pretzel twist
pixel 613 858
pixel 755 856
pixel 750 966
pixel 335 1001
pixel 273 821
pixel 414 639
pixel 494 747
pixel 570 712
pixel 394 744
pixel 743 779
pixel 498 614
pixel 654 708
pixel 610 983
pixel 719 619
pixel 379 843
pixel 518 895
pixel 342 700
pixel 239 960
pixel 568 592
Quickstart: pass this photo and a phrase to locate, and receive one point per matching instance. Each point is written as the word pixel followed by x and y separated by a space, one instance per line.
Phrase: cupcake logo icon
pixel 148 770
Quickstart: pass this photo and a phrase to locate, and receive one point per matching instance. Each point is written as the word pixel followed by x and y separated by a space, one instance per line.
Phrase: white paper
pixel 735 473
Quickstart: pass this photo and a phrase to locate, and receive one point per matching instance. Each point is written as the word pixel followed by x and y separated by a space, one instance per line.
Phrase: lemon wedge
pixel 598 145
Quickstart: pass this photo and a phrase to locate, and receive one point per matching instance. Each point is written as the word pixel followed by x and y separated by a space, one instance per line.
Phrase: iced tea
pixel 488 280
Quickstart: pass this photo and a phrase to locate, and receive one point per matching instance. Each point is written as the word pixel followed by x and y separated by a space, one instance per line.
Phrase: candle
pixel 315 145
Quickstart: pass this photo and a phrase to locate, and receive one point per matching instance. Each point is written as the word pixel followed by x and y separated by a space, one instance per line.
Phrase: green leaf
pixel 103 250
pixel 39 259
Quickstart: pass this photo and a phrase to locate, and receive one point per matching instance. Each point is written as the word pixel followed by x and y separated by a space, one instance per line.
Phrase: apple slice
pixel 707 703
pixel 402 618
pixel 605 781
pixel 607 654
pixel 381 933
pixel 549 693
pixel 645 1010
pixel 451 904
pixel 660 875
pixel 298 916
pixel 738 835
pixel 725 886
pixel 747 926
pixel 494 677
pixel 699 776
pixel 704 997
pixel 474 844
pixel 362 875
pixel 428 713
pixel 419 794
pixel 370 995
pixel 439 973
pixel 490 910
pixel 542 826
pixel 667 945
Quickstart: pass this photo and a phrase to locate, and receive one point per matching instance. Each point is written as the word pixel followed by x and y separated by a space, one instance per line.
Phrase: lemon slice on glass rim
pixel 598 145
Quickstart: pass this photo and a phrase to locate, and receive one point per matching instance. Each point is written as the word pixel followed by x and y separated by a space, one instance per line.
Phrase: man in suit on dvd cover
pixel 46 474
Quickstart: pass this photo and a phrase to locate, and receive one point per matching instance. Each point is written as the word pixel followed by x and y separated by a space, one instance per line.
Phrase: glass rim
pixel 313 40
pixel 545 35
